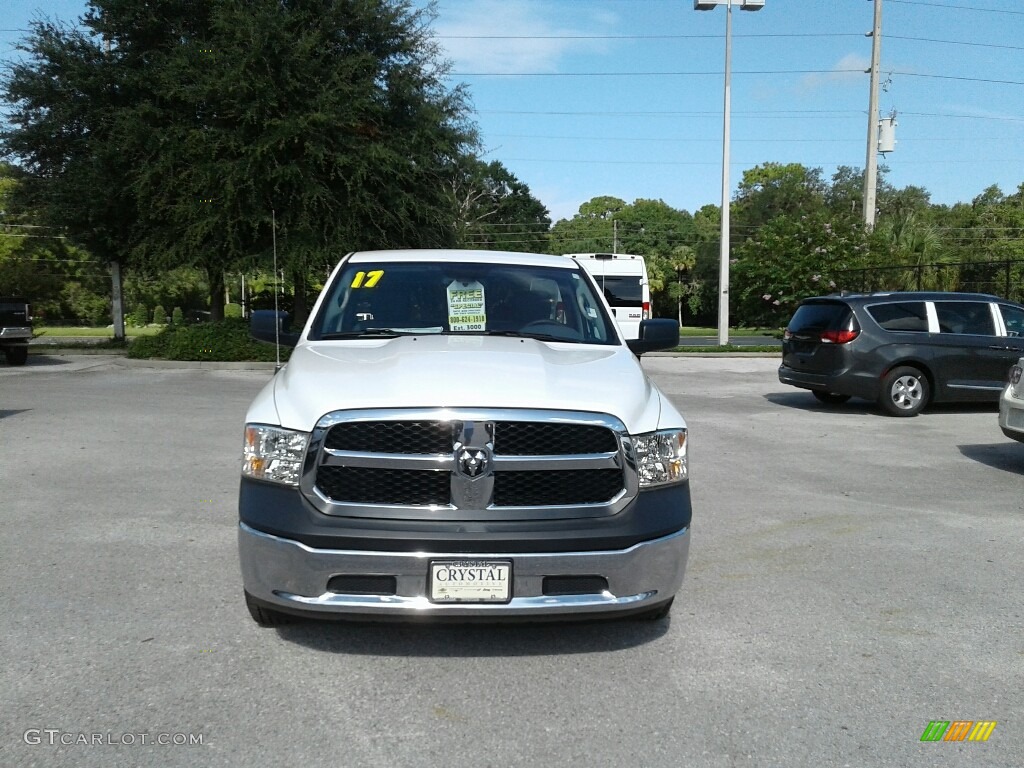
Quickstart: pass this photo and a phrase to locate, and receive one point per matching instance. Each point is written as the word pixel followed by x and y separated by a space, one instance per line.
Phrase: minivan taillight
pixel 838 337
pixel 647 310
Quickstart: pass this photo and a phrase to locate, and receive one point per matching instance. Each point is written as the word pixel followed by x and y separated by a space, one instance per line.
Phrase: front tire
pixel 905 392
pixel 265 617
pixel 658 612
pixel 16 355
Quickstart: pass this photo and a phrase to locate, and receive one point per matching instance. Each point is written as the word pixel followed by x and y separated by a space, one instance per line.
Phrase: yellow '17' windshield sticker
pixel 367 279
pixel 466 308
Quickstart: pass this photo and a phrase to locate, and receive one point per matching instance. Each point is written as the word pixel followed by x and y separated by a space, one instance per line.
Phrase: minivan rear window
pixel 900 315
pixel 813 318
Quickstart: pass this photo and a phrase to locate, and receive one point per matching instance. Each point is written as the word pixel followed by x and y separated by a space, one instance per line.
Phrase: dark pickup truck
pixel 15 329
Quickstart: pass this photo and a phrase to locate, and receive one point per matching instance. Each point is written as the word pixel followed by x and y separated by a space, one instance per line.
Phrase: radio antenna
pixel 277 316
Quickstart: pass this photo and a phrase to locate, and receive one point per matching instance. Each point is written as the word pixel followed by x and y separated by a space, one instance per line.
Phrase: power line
pixel 957 7
pixel 735 72
pixel 719 37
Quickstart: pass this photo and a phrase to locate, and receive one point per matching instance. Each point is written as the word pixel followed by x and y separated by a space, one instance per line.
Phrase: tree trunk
pixel 215 276
pixel 300 310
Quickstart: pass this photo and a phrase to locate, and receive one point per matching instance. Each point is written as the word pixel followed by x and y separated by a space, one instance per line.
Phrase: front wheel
pixel 264 616
pixel 16 355
pixel 658 612
pixel 905 392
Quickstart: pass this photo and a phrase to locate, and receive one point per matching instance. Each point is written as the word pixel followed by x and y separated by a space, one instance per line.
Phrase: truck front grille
pixel 469 465
pixel 539 488
pixel 366 485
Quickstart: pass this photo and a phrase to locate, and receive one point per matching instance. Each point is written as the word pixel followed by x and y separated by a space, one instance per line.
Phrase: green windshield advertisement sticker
pixel 466 306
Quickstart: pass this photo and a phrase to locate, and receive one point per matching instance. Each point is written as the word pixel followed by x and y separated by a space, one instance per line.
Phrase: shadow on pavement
pixel 4 414
pixel 472 640
pixel 1007 456
pixel 38 360
pixel 805 401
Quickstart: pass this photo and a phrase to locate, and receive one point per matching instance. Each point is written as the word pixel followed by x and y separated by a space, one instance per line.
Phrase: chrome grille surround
pixel 472 464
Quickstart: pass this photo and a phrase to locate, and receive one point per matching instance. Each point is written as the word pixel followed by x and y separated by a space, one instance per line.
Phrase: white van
pixel 623 279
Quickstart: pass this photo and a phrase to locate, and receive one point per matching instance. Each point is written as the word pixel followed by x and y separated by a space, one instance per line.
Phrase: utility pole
pixel 116 295
pixel 871 164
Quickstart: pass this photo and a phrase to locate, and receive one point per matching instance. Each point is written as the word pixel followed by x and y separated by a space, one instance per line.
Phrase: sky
pixel 586 98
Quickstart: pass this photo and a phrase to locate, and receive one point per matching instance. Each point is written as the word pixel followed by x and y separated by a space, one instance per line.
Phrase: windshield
pixel 397 298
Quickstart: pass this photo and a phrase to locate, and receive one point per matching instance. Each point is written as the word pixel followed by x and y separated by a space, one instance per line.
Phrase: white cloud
pixel 468 32
pixel 848 70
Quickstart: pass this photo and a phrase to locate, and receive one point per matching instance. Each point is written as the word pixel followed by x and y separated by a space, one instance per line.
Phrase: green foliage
pixel 159 315
pixel 789 259
pixel 204 118
pixel 177 316
pixel 83 304
pixel 227 340
pixel 139 316
pixel 232 311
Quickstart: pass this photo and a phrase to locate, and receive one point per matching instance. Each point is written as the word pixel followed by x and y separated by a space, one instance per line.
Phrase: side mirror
pixel 661 333
pixel 271 327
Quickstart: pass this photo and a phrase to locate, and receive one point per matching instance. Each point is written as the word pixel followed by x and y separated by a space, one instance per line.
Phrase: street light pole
pixel 723 257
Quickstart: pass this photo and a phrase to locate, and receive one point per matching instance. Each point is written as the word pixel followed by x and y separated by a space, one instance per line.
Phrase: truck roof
pixel 458 254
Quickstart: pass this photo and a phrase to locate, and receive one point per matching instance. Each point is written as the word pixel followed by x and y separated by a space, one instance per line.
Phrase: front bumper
pixel 292 577
pixel 1011 415
pixel 15 333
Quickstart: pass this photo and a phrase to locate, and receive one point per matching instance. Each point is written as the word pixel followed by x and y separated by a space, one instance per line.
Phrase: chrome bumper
pixel 292 576
pixel 15 333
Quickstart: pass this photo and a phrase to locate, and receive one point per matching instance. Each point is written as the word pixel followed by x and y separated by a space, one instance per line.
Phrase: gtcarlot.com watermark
pixel 56 737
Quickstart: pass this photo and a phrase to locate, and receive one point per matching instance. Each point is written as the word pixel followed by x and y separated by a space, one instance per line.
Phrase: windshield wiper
pixel 537 336
pixel 379 333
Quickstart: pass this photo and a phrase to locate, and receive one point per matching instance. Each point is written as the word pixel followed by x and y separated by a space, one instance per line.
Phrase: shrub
pixel 228 341
pixel 139 316
pixel 159 316
pixel 177 316
pixel 232 311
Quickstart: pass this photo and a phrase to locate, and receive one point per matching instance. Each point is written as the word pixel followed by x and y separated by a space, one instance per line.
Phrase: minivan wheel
pixel 905 392
pixel 829 398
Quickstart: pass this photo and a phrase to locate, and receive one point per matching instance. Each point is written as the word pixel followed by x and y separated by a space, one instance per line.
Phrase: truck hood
pixel 436 371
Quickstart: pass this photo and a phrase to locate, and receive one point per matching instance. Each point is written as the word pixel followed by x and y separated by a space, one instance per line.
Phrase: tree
pixel 771 190
pixel 591 230
pixel 65 107
pixel 332 116
pixel 495 210
pixel 789 259
pixel 37 262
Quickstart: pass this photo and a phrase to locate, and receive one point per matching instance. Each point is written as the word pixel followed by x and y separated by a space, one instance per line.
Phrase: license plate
pixel 470 581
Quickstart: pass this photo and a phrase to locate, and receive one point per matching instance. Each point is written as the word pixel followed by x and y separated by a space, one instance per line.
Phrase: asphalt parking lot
pixel 852 577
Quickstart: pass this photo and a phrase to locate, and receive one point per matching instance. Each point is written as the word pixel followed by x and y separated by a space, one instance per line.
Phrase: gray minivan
pixel 903 350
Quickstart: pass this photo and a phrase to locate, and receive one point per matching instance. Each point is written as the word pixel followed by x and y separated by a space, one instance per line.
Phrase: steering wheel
pixel 552 328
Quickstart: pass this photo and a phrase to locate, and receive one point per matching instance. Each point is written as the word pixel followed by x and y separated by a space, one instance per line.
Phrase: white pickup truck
pixel 462 434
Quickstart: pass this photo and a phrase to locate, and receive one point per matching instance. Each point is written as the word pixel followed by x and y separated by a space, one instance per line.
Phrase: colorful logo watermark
pixel 958 730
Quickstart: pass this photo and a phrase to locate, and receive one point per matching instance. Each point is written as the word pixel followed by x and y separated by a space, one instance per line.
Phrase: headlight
pixel 661 457
pixel 273 453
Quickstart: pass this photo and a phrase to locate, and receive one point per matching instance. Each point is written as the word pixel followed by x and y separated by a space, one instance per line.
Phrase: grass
pixel 102 332
pixel 713 348
pixel 692 330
